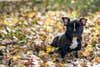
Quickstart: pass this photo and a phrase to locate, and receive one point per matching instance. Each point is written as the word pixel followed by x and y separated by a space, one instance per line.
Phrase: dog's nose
pixel 74 32
pixel 74 35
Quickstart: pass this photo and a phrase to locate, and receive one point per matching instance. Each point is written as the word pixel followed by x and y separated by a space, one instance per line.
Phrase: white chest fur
pixel 74 43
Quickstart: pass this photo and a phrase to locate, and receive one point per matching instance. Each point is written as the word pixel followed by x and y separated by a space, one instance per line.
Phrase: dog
pixel 72 37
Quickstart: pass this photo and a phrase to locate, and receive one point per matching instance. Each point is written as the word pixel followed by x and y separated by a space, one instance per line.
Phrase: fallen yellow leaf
pixel 31 14
pixel 96 59
pixel 87 51
pixel 16 57
pixel 15 20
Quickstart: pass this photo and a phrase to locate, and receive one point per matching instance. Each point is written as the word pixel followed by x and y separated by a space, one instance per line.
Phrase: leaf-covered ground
pixel 25 35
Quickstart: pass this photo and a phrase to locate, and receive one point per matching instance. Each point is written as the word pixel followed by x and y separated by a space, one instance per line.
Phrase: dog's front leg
pixel 63 51
pixel 77 48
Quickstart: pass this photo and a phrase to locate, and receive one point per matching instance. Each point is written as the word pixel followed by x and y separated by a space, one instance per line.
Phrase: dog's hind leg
pixel 55 42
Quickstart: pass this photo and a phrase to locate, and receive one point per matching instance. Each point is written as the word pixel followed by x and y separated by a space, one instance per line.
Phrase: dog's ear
pixel 83 21
pixel 65 20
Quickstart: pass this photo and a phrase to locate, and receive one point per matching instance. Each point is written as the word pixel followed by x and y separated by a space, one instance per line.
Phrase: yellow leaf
pixel 53 13
pixel 74 14
pixel 96 59
pixel 49 29
pixel 49 49
pixel 29 52
pixel 87 51
pixel 48 21
pixel 46 64
pixel 15 20
pixel 59 26
pixel 31 14
pixel 16 57
pixel 6 22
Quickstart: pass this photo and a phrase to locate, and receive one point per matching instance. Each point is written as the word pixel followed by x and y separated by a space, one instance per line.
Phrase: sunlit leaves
pixel 32 37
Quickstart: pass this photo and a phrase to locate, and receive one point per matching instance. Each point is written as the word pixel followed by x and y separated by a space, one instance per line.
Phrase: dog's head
pixel 74 27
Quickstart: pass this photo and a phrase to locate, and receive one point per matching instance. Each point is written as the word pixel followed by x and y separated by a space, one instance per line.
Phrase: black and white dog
pixel 71 39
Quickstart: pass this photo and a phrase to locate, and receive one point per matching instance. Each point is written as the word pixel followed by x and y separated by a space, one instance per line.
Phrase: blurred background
pixel 81 7
pixel 28 26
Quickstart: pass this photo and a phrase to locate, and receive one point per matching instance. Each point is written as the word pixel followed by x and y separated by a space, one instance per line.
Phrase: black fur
pixel 64 41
